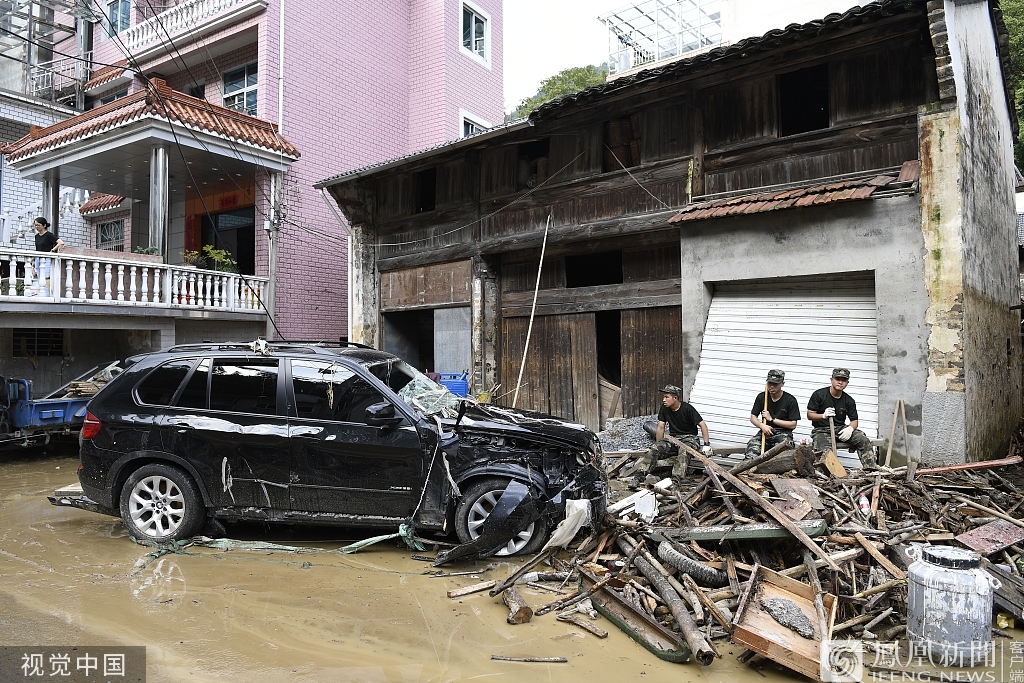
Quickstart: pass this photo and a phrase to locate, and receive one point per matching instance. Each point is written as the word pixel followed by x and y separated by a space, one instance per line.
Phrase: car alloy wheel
pixel 481 510
pixel 157 506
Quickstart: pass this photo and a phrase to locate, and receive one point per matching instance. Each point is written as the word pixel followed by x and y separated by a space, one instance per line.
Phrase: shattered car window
pixel 425 395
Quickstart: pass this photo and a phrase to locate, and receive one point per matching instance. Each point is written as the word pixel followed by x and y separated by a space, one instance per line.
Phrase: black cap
pixel 951 557
pixel 672 389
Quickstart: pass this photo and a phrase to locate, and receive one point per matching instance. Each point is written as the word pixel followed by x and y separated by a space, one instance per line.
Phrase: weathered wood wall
pixel 652 356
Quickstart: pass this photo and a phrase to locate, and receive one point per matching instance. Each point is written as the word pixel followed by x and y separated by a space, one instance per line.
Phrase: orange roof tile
pixel 99 201
pixel 761 202
pixel 159 102
pixel 107 73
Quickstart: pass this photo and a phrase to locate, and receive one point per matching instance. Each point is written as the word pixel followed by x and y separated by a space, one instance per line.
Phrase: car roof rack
pixel 281 345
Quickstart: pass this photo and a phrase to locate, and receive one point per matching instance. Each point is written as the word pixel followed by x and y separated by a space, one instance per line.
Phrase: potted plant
pixel 193 259
pixel 221 259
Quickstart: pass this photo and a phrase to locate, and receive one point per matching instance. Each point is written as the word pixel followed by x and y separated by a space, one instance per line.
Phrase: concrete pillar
pixel 363 287
pixel 158 200
pixel 486 321
pixel 51 199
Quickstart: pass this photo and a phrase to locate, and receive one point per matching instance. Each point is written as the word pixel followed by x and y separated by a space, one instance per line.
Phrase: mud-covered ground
pixel 69 577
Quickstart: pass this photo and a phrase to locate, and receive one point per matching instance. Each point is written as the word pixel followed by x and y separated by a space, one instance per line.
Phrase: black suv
pixel 305 433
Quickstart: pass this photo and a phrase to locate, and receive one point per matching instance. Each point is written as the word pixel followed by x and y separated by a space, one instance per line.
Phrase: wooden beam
pixel 879 557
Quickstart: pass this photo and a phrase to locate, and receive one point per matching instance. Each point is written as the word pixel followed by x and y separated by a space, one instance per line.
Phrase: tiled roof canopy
pixel 828 193
pixel 160 102
pixel 98 201
pixel 106 74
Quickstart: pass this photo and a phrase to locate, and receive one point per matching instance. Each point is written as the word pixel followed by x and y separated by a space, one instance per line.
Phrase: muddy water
pixel 69 577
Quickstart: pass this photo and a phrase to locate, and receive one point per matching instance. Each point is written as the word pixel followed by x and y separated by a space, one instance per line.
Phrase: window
pixel 330 391
pixel 38 342
pixel 592 270
pixel 118 16
pixel 159 386
pixel 240 89
pixel 110 235
pixel 114 96
pixel 622 143
pixel 470 127
pixel 803 100
pixel 197 90
pixel 475 31
pixel 425 186
pixel 194 394
pixel 244 387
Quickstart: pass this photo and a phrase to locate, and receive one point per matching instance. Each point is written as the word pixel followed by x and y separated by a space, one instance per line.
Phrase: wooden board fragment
pixel 578 620
pixel 467 590
pixel 833 465
pixel 756 630
pixel 879 557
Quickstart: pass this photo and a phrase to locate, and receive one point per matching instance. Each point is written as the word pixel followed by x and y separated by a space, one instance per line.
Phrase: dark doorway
pixel 609 345
pixel 235 232
pixel 410 336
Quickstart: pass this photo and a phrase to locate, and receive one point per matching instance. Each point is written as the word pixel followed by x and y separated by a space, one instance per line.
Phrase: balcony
pixel 130 284
pixel 186 23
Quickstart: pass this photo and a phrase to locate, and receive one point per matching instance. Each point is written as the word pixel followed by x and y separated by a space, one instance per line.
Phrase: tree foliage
pixel 1013 15
pixel 564 82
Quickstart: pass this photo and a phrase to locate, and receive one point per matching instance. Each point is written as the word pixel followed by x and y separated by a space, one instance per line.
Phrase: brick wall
pixel 20 198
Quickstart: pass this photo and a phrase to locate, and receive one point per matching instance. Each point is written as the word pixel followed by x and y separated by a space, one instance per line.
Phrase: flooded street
pixel 69 577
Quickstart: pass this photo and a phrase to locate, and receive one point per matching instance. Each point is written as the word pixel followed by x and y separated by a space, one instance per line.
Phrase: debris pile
pixel 627 434
pixel 779 553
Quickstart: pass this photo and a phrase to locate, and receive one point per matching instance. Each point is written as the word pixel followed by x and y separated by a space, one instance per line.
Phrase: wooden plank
pixel 651 263
pixel 583 357
pixel 468 590
pixel 559 361
pixel 833 465
pixel 879 557
pixel 436 285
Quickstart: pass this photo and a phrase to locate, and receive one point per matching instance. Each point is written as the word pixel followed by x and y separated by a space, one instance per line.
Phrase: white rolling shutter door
pixel 803 326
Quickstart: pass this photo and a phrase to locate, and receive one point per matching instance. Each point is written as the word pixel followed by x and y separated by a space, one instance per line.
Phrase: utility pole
pixel 272 226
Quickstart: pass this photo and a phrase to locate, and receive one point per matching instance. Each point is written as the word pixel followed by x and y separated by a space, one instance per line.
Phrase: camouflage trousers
pixel 663 450
pixel 859 442
pixel 754 445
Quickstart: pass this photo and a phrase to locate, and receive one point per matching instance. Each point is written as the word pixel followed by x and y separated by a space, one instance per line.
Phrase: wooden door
pixel 652 356
pixel 560 376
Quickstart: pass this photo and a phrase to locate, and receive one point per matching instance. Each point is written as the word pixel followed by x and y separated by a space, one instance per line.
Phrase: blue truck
pixel 25 421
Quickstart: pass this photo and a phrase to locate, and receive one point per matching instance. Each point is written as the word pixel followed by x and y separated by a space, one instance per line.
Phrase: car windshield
pixel 425 395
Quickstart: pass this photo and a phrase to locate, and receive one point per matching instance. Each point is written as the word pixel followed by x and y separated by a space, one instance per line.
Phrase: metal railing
pixel 31 276
pixel 186 16
pixel 60 80
pixel 653 31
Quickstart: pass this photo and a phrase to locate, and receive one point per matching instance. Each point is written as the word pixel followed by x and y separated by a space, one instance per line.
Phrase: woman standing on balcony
pixel 45 241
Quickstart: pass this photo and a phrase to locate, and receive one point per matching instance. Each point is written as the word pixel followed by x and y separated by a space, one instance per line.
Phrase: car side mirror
pixel 381 415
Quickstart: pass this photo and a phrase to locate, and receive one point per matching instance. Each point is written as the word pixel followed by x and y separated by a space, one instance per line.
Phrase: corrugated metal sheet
pixel 803 326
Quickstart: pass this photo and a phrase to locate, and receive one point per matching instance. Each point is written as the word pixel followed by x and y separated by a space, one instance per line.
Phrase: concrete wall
pixel 991 336
pixel 881 235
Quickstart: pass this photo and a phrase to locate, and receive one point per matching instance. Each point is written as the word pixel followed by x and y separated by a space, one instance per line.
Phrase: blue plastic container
pixel 455 383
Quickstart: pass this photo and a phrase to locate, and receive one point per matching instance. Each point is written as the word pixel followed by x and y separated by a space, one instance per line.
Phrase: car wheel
pixel 477 503
pixel 161 503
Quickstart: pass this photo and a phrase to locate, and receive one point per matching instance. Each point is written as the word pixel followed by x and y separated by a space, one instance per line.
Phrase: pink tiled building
pixel 197 132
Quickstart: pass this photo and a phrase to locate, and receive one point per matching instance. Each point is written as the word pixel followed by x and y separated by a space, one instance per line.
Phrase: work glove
pixel 706 449
pixel 829 412
pixel 846 433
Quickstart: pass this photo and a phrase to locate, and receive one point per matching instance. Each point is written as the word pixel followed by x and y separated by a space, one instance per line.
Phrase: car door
pixel 228 420
pixel 341 464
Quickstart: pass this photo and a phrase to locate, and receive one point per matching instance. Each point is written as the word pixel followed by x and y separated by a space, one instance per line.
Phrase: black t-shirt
pixel 680 422
pixel 786 408
pixel 46 242
pixel 845 407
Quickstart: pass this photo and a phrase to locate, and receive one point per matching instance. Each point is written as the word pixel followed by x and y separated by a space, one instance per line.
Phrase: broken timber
pixel 741 532
pixel 753 496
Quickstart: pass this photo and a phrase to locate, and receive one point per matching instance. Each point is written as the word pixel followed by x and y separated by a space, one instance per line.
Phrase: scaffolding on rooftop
pixel 645 33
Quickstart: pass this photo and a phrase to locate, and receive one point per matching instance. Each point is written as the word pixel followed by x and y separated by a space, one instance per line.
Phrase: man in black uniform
pixel 833 401
pixel 778 421
pixel 682 421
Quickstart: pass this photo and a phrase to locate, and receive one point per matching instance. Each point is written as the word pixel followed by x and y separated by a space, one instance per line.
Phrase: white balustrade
pixel 191 16
pixel 110 281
